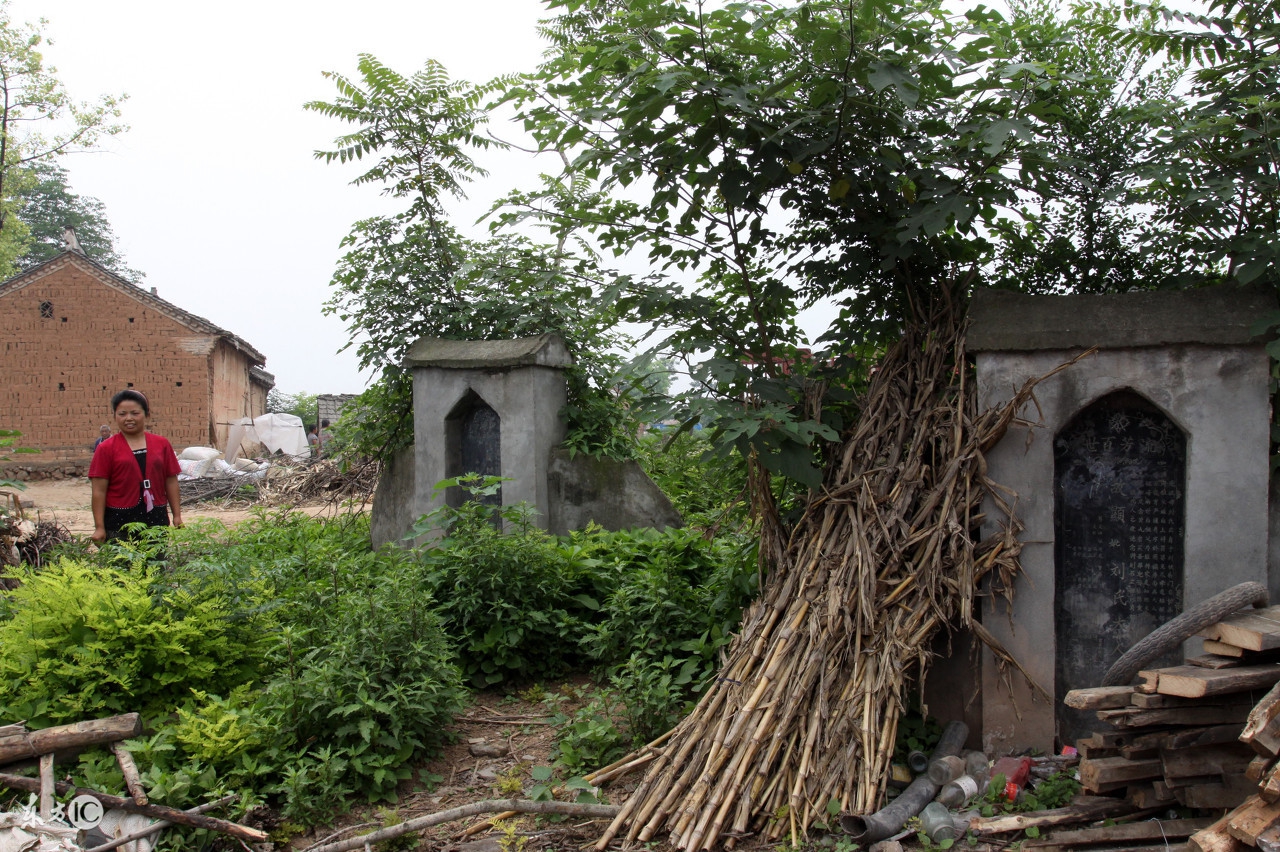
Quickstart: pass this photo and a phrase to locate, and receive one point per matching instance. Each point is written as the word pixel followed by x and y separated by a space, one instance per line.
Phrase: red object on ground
pixel 1016 771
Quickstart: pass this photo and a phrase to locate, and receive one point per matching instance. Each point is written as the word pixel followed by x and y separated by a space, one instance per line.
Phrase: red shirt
pixel 114 462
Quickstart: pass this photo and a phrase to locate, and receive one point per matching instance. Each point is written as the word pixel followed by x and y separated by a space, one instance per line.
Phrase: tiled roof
pixel 145 297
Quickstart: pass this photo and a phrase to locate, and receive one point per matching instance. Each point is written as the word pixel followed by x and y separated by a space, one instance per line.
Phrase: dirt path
pixel 66 501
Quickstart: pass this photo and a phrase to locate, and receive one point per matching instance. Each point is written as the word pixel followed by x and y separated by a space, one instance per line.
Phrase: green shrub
pixel 83 641
pixel 706 487
pixel 324 673
pixel 516 602
pixel 367 689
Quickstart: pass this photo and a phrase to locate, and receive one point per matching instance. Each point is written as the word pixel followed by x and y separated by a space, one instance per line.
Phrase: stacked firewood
pixel 1197 735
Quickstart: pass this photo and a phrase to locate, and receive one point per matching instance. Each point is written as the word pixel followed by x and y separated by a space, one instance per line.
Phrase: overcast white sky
pixel 214 192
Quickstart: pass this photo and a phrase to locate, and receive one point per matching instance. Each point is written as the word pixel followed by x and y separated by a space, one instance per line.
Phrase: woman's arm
pixel 174 492
pixel 99 509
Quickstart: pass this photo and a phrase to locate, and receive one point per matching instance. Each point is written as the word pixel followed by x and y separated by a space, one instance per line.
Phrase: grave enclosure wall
pixel 1188 354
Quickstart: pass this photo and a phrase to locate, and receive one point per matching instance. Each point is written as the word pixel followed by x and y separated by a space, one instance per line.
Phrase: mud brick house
pixel 73 334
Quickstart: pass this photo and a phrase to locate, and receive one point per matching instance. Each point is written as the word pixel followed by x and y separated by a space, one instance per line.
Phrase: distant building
pixel 74 333
pixel 330 405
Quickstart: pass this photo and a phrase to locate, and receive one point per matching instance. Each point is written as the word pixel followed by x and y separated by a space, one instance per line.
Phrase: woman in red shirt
pixel 134 473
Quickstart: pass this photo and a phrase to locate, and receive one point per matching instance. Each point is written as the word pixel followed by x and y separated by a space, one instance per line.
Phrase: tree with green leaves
pixel 1217 173
pixel 412 275
pixel 47 206
pixel 39 120
pixel 1089 228
pixel 780 157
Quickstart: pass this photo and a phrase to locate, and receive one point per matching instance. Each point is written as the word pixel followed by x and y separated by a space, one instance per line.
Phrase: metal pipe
pixel 888 821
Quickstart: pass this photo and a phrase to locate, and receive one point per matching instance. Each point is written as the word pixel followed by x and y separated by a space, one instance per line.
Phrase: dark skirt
pixel 115 519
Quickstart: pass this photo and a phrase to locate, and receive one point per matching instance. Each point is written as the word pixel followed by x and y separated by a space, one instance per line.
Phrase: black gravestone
pixel 481 448
pixel 1119 483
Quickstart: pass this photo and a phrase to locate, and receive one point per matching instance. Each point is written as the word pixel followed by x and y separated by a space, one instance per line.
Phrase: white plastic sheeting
pixel 283 432
pixel 25 831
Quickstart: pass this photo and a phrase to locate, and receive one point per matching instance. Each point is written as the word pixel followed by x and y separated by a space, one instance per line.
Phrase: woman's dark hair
pixel 133 396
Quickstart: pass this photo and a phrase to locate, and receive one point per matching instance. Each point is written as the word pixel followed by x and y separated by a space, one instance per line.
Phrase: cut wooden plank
pixel 1084 809
pixel 1269 840
pixel 1214 760
pixel 1269 785
pixel 1222 649
pixel 1104 739
pixel 1253 630
pixel 1112 773
pixel 1134 717
pixel 1252 818
pixel 1150 682
pixel 1170 701
pixel 1257 769
pixel 1098 697
pixel 1210 735
pixel 1149 796
pixel 1135 752
pixel 1260 717
pixel 1194 682
pixel 1266 741
pixel 1225 793
pixel 1173 829
pixel 1090 753
pixel 1216 838
pixel 1213 661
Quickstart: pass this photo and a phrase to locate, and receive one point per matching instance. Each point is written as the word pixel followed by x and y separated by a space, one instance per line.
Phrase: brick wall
pixel 68 341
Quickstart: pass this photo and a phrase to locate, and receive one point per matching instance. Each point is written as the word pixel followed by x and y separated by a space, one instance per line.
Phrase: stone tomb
pixel 1140 475
pixel 493 407
pixel 489 407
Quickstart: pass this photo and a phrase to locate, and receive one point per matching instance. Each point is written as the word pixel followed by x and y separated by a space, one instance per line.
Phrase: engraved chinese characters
pixel 1119 483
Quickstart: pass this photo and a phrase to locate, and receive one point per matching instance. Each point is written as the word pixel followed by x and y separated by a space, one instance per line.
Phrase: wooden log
pixel 1134 717
pixel 1152 829
pixel 130 771
pixel 1098 698
pixel 1251 819
pixel 160 825
pixel 1194 682
pixel 1112 773
pixel 1216 838
pixel 244 832
pixel 1253 630
pixel 1084 809
pixel 1143 847
pixel 28 744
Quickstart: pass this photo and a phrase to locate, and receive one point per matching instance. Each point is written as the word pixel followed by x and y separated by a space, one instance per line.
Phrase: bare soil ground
pixel 516 725
pixel 66 501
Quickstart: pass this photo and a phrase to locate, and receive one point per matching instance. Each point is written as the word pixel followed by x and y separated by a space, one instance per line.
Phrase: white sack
pixel 198 454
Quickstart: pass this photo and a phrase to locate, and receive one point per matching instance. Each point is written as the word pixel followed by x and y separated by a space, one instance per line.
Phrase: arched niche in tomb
pixel 1120 475
pixel 473 441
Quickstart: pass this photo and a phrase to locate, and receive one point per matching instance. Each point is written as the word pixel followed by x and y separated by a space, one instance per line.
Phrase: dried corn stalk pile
pixel 807 706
